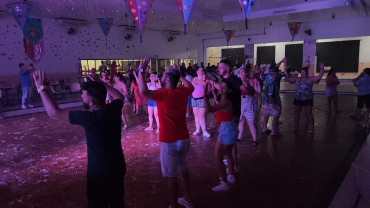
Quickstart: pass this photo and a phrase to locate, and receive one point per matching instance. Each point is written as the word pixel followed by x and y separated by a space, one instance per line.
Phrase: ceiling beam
pixel 304 7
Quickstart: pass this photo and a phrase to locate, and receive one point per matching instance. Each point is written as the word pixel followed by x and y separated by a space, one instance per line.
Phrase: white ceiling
pixel 208 15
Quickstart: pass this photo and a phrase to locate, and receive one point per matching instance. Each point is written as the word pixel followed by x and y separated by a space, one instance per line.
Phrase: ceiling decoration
pixel 206 17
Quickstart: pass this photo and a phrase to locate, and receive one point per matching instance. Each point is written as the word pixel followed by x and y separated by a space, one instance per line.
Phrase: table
pixel 4 93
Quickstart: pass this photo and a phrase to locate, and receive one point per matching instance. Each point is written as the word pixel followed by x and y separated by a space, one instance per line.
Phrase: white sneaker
pixel 231 178
pixel 196 133
pixel 183 202
pixel 206 134
pixel 222 187
pixel 24 107
pixel 30 106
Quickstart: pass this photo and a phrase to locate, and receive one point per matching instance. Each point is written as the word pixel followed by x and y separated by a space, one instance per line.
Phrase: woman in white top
pixel 154 84
pixel 121 86
pixel 197 102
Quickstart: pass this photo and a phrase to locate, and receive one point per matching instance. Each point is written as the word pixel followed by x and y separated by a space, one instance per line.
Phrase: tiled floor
pixel 43 162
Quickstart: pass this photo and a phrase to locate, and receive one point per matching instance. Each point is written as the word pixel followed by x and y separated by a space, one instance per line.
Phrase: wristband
pixel 41 88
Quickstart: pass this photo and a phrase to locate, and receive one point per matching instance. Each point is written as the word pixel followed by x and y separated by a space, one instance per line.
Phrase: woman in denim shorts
pixel 197 102
pixel 228 131
pixel 154 84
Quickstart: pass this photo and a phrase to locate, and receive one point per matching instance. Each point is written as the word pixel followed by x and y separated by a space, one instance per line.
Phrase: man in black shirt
pixel 102 125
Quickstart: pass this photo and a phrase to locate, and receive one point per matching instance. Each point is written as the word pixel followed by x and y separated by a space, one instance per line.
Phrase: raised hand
pixel 40 78
pixel 175 66
pixel 144 63
pixel 94 77
pixel 321 66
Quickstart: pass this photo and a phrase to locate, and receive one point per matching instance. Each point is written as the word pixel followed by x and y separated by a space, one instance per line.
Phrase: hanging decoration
pixel 139 10
pixel 246 6
pixel 20 12
pixel 185 7
pixel 32 39
pixel 228 35
pixel 105 25
pixel 294 27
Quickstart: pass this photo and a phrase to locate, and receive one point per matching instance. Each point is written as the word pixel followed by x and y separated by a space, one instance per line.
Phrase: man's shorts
pixel 173 157
pixel 363 99
pixel 272 110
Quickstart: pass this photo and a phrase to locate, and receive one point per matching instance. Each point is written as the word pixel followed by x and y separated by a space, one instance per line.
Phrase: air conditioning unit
pixel 70 22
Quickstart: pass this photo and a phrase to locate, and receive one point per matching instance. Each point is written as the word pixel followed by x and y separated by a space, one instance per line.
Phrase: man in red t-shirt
pixel 173 131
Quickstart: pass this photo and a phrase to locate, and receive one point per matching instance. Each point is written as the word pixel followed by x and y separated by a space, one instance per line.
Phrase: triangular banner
pixel 20 12
pixel 246 7
pixel 105 24
pixel 186 8
pixel 294 28
pixel 228 35
pixel 140 10
pixel 32 30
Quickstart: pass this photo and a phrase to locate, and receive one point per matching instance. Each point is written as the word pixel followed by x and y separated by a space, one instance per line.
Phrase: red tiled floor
pixel 43 162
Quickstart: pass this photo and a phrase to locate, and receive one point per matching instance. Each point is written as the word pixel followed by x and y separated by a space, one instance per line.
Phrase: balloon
pixel 246 6
pixel 185 7
pixel 139 9
pixel 20 12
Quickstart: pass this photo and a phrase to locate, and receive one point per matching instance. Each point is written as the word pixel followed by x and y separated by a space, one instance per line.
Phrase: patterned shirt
pixel 270 89
pixel 303 90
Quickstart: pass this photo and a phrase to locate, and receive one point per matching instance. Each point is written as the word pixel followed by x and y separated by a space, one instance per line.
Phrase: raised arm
pixel 51 107
pixel 316 79
pixel 257 86
pixel 182 79
pixel 290 79
pixel 278 64
pixel 117 95
pixel 219 105
pixel 143 88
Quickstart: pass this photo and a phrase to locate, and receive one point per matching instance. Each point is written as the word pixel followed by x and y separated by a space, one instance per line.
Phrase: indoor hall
pixel 43 161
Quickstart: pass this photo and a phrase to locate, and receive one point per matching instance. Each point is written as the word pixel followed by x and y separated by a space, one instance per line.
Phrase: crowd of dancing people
pixel 235 96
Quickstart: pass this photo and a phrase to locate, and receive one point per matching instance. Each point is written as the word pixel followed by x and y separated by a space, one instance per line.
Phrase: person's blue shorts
pixel 198 102
pixel 189 100
pixel 227 132
pixel 152 103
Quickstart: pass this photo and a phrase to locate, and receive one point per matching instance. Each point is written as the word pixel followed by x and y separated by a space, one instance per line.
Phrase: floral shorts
pixel 272 110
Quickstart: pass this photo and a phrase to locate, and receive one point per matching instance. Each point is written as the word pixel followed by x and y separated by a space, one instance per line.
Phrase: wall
pixel 280 35
pixel 63 51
